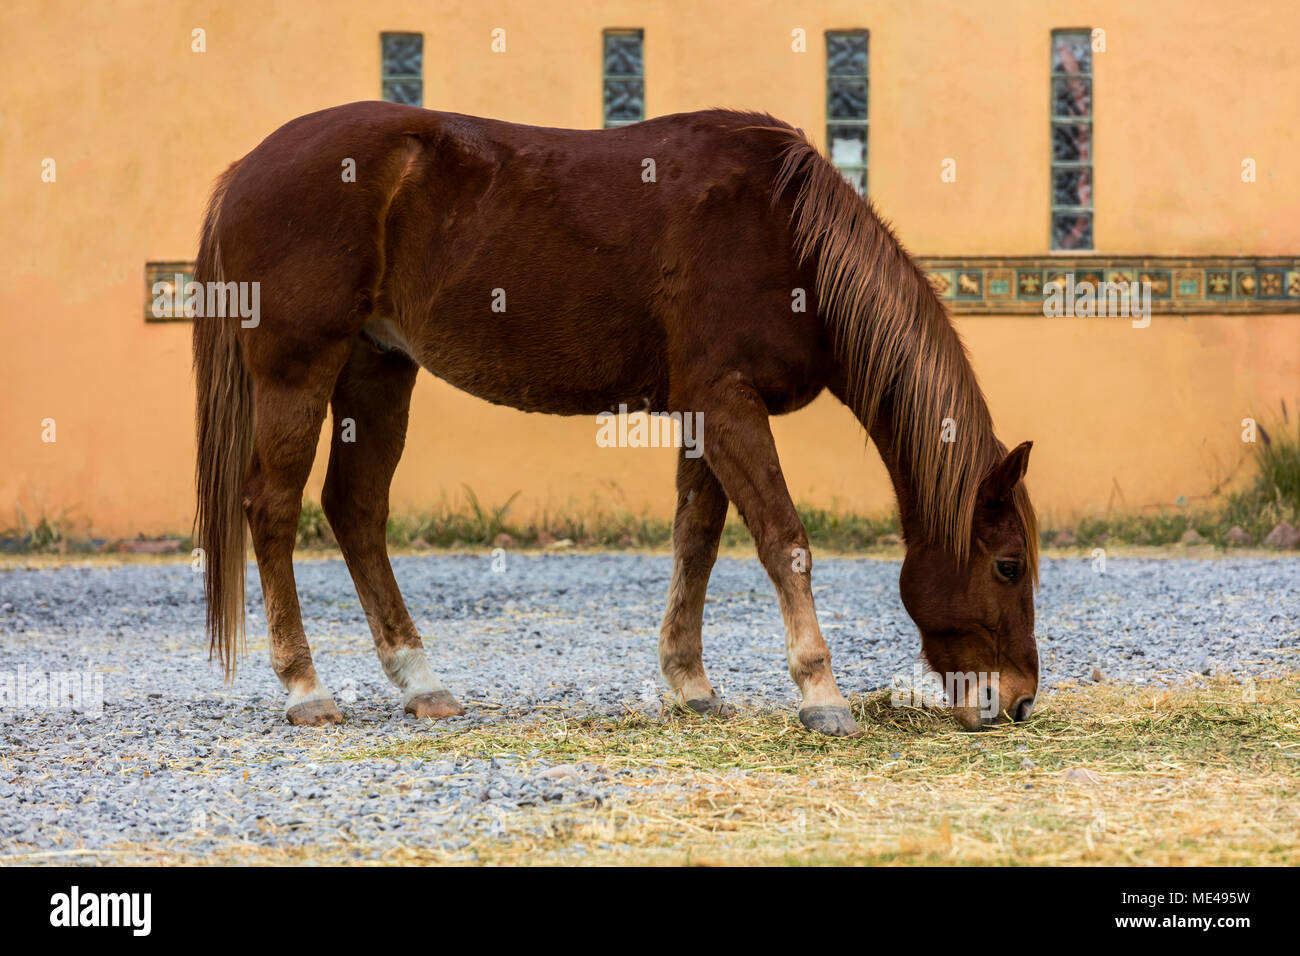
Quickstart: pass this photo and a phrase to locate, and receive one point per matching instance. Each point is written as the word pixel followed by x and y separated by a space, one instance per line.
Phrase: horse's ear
pixel 997 486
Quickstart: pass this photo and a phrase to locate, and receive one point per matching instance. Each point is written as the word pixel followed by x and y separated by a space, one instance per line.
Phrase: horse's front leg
pixel 739 448
pixel 697 527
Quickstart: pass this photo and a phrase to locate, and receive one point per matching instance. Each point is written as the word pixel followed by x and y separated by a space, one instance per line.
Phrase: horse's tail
pixel 224 418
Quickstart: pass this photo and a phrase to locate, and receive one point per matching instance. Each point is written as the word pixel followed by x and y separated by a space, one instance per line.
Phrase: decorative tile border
pixel 991 285
pixel 165 272
pixel 1002 285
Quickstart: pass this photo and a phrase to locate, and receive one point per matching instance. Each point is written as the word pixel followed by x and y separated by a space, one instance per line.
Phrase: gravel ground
pixel 177 760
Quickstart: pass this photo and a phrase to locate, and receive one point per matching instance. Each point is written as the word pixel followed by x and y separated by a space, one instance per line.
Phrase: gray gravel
pixel 177 760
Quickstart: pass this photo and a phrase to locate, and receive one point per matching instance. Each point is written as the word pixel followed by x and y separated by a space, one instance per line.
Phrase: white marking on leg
pixel 409 669
pixel 312 692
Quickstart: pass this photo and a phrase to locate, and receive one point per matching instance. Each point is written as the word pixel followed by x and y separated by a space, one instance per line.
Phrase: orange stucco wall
pixel 139 126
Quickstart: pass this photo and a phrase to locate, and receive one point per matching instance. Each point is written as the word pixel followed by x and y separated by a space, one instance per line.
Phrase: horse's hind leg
pixel 697 526
pixel 371 402
pixel 738 446
pixel 288 420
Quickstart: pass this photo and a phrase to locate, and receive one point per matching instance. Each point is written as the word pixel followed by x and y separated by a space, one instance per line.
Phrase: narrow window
pixel 1072 202
pixel 623 77
pixel 403 67
pixel 164 290
pixel 846 103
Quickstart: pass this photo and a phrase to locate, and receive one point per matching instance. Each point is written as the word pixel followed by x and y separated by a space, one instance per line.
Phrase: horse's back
pixel 542 268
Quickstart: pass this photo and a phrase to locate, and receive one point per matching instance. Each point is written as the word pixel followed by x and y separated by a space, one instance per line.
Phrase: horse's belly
pixel 569 375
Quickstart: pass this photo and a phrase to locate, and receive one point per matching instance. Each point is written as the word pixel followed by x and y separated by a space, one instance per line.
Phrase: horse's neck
pixel 900 471
pixel 915 481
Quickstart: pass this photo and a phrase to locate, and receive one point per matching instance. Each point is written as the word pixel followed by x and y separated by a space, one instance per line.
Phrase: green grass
pixel 46 535
pixel 472 524
pixel 1274 494
pixel 1271 495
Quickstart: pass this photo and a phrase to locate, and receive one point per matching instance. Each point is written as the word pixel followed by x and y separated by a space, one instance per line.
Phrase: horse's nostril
pixel 1024 708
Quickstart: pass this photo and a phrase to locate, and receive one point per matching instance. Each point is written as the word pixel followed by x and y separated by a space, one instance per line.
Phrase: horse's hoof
pixel 314 713
pixel 713 706
pixel 437 705
pixel 833 720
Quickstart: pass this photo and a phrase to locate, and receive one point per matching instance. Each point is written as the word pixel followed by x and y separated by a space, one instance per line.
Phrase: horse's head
pixel 977 618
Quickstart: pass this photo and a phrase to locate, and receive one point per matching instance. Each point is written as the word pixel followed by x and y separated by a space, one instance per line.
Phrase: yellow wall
pixel 140 126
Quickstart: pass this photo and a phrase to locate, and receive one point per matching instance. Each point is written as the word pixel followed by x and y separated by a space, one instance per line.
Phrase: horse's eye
pixel 1007 570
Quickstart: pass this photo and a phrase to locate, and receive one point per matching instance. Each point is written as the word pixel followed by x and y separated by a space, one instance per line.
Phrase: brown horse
pixel 665 265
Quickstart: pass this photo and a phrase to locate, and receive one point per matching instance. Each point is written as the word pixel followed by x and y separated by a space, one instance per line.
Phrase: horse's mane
pixel 898 347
